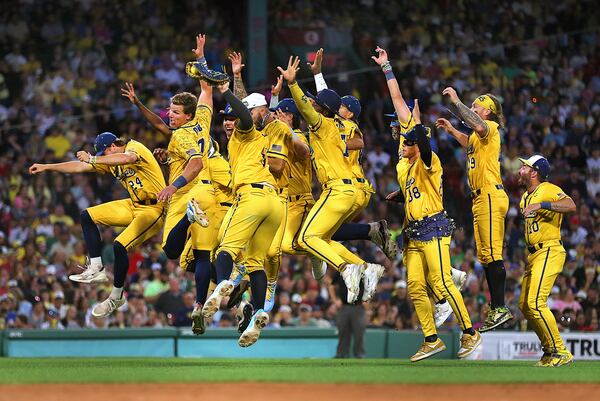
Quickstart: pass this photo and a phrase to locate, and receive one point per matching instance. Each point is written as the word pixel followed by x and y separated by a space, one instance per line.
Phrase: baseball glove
pixel 196 69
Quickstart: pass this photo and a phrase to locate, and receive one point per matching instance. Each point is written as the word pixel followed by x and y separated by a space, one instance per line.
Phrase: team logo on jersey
pixel 122 174
pixel 470 149
pixel 410 182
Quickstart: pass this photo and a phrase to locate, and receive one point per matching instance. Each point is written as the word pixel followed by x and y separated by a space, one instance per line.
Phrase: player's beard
pixel 524 181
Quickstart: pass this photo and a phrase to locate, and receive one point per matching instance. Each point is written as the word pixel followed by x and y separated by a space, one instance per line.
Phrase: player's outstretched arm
pixel 206 90
pixel 564 205
pixel 116 159
pixel 423 143
pixel 129 92
pixel 65 167
pixel 275 91
pixel 240 110
pixel 356 142
pixel 400 105
pixel 236 67
pixel 315 68
pixel 304 106
pixel 447 126
pixel 470 117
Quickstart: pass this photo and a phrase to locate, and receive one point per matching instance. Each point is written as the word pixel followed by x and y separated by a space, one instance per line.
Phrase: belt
pixel 280 190
pixel 294 198
pixel 540 245
pixel 361 180
pixel 260 186
pixel 147 202
pixel 331 183
pixel 206 181
pixel 477 192
pixel 227 204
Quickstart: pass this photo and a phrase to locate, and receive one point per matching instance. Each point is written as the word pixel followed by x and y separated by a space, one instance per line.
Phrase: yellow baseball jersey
pixel 483 158
pixel 350 131
pixel 301 172
pixel 199 126
pixel 143 179
pixel 545 224
pixel 220 175
pixel 328 150
pixel 183 147
pixel 422 187
pixel 248 158
pixel 280 141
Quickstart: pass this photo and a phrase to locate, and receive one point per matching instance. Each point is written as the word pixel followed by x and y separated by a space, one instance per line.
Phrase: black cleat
pixel 247 313
pixel 236 296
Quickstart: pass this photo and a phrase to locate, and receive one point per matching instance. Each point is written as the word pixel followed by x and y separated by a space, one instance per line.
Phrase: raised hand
pixel 129 92
pixel 292 69
pixel 199 50
pixel 223 87
pixel 37 168
pixel 236 63
pixel 382 56
pixel 315 67
pixel 451 92
pixel 416 112
pixel 280 115
pixel 443 123
pixel 276 89
pixel 83 156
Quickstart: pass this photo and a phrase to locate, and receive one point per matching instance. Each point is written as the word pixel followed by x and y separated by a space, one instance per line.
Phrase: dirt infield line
pixel 294 391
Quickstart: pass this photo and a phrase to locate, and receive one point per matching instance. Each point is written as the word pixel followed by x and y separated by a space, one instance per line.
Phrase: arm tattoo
pixel 470 117
pixel 238 88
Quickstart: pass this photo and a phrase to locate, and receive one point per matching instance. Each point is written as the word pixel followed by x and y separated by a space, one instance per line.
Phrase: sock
pixel 177 238
pixel 202 274
pixel 441 302
pixel 497 280
pixel 488 279
pixel 213 272
pixel 121 264
pixel 224 266
pixel 258 285
pixel 352 231
pixel 91 234
pixel 470 331
pixel 431 339
pixel 116 293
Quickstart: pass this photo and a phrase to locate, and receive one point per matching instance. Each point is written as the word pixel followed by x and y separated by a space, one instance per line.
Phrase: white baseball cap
pixel 254 100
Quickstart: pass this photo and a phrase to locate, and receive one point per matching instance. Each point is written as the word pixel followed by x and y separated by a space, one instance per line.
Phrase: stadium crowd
pixel 60 73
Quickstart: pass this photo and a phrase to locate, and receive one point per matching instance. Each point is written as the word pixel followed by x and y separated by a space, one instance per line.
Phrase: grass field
pixel 383 371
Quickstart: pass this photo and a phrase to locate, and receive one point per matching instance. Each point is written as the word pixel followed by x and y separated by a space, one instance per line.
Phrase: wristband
pixel 385 67
pixel 202 61
pixel 389 75
pixel 179 182
pixel 546 205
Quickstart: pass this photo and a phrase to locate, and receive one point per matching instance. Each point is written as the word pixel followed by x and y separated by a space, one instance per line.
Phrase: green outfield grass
pixel 119 370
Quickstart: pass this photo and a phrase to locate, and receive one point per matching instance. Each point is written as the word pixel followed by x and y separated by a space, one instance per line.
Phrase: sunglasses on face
pixel 409 143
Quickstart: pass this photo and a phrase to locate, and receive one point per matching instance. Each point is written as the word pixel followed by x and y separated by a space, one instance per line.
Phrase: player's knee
pixel 417 287
pixel 534 307
pixel 202 255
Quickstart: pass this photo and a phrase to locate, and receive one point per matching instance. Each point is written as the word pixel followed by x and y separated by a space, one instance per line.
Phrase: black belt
pixel 147 202
pixel 260 186
pixel 280 190
pixel 226 204
pixel 294 198
pixel 538 246
pixel 361 180
pixel 206 181
pixel 476 193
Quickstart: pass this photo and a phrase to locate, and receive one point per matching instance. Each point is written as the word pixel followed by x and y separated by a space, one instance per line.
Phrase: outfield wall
pixel 280 343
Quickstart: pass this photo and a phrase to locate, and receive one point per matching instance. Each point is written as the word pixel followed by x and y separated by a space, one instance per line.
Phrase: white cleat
pixel 213 303
pixel 195 214
pixel 441 313
pixel 319 268
pixel 90 275
pixel 459 278
pixel 352 275
pixel 250 335
pixel 373 273
pixel 108 306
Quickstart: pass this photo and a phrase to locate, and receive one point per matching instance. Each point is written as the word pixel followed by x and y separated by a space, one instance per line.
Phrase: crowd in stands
pixel 60 73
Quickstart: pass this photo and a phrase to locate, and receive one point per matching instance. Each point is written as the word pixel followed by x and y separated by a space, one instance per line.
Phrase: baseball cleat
pixel 495 318
pixel 270 297
pixel 352 275
pixel 198 325
pixel 468 344
pixel 545 361
pixel 238 292
pixel 246 315
pixel 90 275
pixel 195 214
pixel 383 239
pixel 428 349
pixel 373 273
pixel 107 307
pixel 213 303
pixel 319 268
pixel 561 358
pixel 238 273
pixel 459 278
pixel 258 322
pixel 441 313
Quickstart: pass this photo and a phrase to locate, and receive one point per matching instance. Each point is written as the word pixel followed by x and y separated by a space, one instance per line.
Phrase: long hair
pixel 497 116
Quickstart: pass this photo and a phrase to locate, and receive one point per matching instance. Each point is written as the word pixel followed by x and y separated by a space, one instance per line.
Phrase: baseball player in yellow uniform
pixel 334 172
pixel 490 202
pixel 252 221
pixel 133 165
pixel 429 230
pixel 543 206
pixel 190 194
